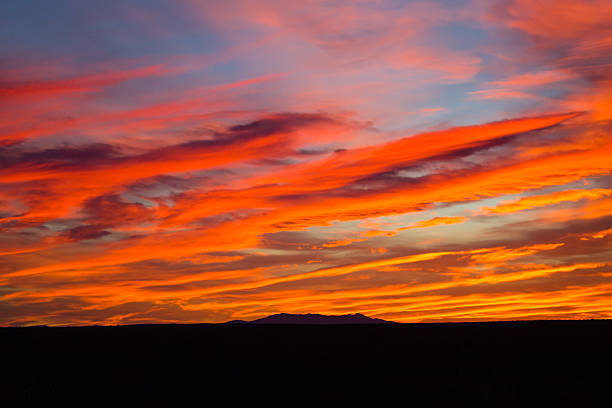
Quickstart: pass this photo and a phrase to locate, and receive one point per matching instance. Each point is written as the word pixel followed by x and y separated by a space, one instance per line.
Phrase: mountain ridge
pixel 313 318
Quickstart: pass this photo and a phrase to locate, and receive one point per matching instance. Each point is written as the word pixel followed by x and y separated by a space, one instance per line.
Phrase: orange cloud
pixel 297 214
pixel 349 165
pixel 436 221
pixel 130 193
pixel 597 235
pixel 526 203
pixel 502 255
pixel 377 233
pixel 402 300
pixel 342 242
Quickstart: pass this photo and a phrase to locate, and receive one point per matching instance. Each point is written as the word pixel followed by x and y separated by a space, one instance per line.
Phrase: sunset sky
pixel 202 161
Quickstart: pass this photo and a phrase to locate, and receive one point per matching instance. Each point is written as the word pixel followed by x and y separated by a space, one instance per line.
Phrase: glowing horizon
pixel 204 161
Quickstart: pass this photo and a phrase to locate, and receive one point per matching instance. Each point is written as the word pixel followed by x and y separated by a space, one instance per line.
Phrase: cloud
pixel 435 221
pixel 454 66
pixel 84 232
pixel 76 174
pixel 342 242
pixel 264 208
pixel 270 162
pixel 533 79
pixel 558 197
pixel 581 49
pixel 500 93
pixel 504 254
pixel 86 83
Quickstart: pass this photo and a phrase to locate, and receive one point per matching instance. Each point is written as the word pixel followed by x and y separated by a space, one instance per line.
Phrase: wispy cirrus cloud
pixel 230 160
pixel 526 203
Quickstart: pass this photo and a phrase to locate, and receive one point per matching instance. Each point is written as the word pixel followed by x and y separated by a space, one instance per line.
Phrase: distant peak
pixel 314 318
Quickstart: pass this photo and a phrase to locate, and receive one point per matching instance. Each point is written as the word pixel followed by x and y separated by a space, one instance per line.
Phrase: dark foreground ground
pixel 498 364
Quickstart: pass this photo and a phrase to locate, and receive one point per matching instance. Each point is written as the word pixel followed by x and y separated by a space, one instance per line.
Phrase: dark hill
pixel 313 318
pixel 496 364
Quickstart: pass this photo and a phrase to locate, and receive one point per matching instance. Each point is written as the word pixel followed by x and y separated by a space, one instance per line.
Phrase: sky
pixel 202 161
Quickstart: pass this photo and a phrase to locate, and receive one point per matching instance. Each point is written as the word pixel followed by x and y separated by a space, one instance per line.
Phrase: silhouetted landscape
pixel 496 363
pixel 167 163
pixel 312 318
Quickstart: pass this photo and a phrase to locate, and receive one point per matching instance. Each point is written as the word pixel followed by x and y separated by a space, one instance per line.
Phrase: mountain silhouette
pixel 313 318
